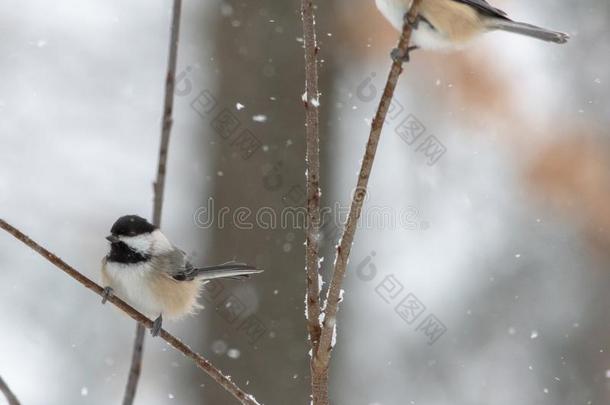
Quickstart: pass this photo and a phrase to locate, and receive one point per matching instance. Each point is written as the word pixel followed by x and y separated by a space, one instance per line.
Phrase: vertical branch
pixel 168 107
pixel 159 187
pixel 10 397
pixel 319 381
pixel 136 365
pixel 312 161
pixel 322 356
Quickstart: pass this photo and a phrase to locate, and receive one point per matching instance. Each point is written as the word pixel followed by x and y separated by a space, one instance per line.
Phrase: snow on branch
pixel 323 354
pixel 312 161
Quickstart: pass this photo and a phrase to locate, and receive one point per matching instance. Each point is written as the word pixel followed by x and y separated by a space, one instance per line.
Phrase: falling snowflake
pixel 233 353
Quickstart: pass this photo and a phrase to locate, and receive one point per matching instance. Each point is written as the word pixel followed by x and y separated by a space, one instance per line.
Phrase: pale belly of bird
pixel 151 292
pixel 440 26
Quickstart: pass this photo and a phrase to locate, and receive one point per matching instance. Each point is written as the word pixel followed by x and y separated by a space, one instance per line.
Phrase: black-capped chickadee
pixel 144 269
pixel 451 23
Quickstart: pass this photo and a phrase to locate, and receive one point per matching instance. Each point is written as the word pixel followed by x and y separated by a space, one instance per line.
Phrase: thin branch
pixel 199 360
pixel 312 160
pixel 10 397
pixel 159 187
pixel 136 365
pixel 343 250
pixel 170 84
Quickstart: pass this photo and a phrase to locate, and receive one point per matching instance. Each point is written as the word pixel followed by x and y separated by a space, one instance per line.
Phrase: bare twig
pixel 199 360
pixel 10 397
pixel 322 358
pixel 159 188
pixel 136 365
pixel 170 84
pixel 312 160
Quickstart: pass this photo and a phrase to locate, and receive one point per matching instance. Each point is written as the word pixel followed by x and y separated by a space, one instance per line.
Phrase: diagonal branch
pixel 159 188
pixel 10 397
pixel 199 360
pixel 312 161
pixel 343 250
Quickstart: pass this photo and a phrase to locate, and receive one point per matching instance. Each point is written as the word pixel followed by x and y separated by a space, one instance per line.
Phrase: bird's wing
pixel 485 8
pixel 176 265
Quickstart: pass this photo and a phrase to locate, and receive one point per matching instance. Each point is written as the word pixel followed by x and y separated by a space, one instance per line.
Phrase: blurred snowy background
pixel 510 248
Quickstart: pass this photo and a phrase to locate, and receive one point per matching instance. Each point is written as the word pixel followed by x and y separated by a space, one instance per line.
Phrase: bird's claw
pixel 107 293
pixel 402 57
pixel 156 327
pixel 398 56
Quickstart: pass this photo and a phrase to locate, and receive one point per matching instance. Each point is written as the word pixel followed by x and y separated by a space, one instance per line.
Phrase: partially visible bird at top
pixel 443 24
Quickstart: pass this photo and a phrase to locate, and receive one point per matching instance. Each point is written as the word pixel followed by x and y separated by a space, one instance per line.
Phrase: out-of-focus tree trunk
pixel 268 81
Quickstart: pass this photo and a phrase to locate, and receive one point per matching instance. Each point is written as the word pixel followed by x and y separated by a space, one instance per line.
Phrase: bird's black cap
pixel 131 225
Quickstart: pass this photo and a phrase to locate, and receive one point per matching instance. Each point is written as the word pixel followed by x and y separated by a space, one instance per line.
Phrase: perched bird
pixel 144 269
pixel 451 23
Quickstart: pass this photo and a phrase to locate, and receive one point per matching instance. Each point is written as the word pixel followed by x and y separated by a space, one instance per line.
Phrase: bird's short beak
pixel 112 239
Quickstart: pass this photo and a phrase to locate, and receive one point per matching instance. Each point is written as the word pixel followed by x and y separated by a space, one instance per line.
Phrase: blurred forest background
pixel 510 248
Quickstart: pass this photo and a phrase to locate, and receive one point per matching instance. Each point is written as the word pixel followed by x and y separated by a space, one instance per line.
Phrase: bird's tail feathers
pixel 227 270
pixel 530 31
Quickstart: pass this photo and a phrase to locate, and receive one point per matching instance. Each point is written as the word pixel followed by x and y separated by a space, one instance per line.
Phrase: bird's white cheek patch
pixel 160 243
pixel 141 243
